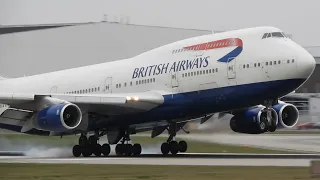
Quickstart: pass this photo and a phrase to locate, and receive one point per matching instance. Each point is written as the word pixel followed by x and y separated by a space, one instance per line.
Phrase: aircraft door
pixel 174 82
pixel 231 65
pixel 108 85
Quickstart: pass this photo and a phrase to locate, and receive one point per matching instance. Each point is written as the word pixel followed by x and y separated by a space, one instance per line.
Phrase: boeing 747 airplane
pixel 242 72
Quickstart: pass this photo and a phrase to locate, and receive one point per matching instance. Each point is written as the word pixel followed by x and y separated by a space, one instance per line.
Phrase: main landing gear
pixel 89 146
pixel 126 149
pixel 171 145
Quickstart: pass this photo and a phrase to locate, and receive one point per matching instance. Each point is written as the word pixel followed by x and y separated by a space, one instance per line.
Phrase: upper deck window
pixel 274 35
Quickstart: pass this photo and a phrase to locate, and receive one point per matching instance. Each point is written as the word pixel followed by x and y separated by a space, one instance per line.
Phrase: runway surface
pixel 300 142
pixel 194 159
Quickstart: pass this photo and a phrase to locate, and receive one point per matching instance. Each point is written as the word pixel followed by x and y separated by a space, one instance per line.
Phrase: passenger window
pixel 270 63
pixel 244 66
pixel 189 74
pixel 255 64
pixel 131 83
pixel 125 84
pixel 198 73
pixel 292 60
pixel 274 62
pixel 136 82
pixel 204 72
pixel 288 61
pixel 207 71
pixel 116 85
pixel 154 79
pixel 247 65
pixel 182 75
pixel 216 69
pixel 258 64
pixel 210 71
pixel 266 63
pixel 279 62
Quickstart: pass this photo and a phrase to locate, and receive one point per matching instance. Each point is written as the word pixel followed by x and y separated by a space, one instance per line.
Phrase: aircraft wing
pixel 110 104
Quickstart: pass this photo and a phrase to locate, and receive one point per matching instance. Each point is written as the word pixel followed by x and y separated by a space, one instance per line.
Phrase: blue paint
pixel 197 103
pixel 232 54
pixel 49 118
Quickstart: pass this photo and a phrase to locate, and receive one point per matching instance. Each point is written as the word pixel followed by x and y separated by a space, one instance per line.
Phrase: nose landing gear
pixel 269 120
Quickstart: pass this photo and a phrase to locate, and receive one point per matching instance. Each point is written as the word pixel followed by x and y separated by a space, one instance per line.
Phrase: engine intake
pixel 288 114
pixel 59 118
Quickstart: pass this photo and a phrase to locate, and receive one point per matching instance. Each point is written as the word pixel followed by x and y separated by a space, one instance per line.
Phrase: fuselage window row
pixel 201 72
pixel 269 63
pixel 84 91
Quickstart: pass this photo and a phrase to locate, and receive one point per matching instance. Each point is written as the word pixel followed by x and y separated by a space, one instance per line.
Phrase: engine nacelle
pixel 59 118
pixel 288 114
pixel 249 121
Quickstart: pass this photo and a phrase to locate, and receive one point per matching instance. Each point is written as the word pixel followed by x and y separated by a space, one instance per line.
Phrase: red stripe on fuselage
pixel 216 44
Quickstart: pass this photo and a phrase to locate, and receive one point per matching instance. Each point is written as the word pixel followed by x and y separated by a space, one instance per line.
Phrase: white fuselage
pixel 183 67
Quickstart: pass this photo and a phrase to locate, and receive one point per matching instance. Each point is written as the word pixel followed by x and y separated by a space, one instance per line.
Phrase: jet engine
pixel 252 121
pixel 288 114
pixel 59 118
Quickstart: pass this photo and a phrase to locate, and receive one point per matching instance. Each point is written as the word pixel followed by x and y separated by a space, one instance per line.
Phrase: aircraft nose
pixel 306 64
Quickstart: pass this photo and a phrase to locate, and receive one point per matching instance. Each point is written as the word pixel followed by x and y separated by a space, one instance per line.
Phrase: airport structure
pixel 25 48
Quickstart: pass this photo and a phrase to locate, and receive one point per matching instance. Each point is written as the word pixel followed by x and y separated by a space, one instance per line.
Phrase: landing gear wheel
pixel 136 149
pixel 105 149
pixel 174 147
pixel 165 148
pixel 86 151
pixel 83 141
pixel 93 140
pixel 273 126
pixel 183 146
pixel 76 150
pixel 119 149
pixel 97 150
pixel 128 149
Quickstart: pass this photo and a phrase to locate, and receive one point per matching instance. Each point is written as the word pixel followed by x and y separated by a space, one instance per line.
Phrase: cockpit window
pixel 277 34
pixel 274 35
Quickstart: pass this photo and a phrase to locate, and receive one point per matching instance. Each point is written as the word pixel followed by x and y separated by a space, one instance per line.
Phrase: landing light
pixel 136 98
pixel 129 98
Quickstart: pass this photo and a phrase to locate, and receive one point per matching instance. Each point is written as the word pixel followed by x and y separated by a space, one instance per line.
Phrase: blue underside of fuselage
pixel 197 103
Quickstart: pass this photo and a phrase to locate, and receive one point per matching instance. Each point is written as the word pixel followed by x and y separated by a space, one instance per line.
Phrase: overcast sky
pixel 296 17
